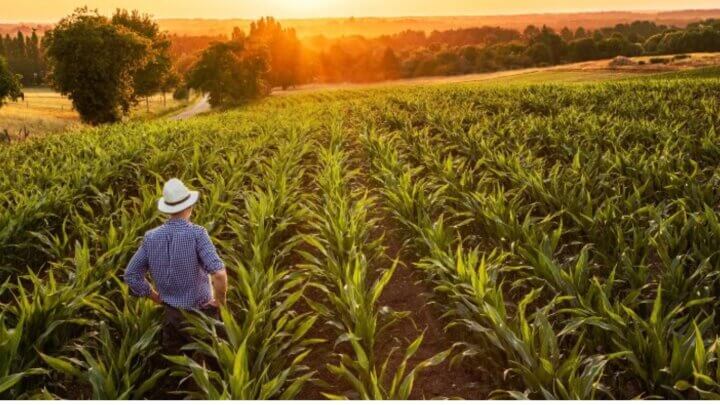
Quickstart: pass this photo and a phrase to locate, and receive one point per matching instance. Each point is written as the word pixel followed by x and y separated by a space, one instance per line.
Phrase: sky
pixel 52 10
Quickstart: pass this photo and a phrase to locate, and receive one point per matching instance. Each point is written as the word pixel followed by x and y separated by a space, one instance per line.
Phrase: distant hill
pixel 369 27
pixel 375 26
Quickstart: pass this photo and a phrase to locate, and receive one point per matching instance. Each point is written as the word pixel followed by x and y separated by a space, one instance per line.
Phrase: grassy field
pixel 44 111
pixel 553 241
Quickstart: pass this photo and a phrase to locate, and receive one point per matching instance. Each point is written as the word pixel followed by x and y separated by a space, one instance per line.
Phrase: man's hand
pixel 155 297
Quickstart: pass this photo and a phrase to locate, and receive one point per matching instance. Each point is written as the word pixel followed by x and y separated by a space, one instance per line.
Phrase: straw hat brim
pixel 174 209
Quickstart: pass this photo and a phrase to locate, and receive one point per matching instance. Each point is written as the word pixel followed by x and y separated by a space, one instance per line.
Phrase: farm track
pixel 199 107
pixel 406 292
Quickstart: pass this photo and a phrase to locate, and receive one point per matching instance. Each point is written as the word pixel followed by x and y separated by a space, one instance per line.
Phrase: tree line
pixel 414 54
pixel 24 57
pixel 411 54
pixel 107 64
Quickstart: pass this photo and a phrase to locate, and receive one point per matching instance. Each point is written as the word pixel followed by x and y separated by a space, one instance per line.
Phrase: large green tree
pixel 94 62
pixel 9 83
pixel 155 75
pixel 231 73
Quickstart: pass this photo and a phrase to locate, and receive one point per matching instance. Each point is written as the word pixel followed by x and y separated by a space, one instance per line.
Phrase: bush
pixel 181 93
pixel 656 61
pixel 681 57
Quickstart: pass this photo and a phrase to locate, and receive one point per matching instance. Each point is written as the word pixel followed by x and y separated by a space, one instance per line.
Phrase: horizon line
pixel 348 17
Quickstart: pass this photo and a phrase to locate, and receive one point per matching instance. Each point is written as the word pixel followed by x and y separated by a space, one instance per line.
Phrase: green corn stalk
pixel 261 356
pixel 116 368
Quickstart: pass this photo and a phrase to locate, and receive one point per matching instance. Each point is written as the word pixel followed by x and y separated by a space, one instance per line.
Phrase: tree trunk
pixel 147 104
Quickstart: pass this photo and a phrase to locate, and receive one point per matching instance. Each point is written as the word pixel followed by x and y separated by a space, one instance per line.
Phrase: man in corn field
pixel 181 260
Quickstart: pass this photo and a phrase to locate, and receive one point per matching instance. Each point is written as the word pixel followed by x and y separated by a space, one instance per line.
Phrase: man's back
pixel 179 256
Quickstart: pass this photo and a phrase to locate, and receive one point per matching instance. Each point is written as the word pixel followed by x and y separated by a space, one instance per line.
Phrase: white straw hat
pixel 176 197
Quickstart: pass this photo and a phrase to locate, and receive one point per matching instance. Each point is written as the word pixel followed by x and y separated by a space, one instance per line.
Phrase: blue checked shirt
pixel 179 256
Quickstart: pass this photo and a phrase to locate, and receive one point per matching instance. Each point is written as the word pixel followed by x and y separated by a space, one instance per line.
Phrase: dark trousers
pixel 174 337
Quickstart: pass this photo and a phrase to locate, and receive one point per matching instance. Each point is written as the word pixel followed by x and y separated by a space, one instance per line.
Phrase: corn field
pixel 557 241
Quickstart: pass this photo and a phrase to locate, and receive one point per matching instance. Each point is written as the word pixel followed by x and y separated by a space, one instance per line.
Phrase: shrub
pixel 181 93
pixel 656 61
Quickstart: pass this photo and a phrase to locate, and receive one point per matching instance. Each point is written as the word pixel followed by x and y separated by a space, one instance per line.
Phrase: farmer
pixel 181 260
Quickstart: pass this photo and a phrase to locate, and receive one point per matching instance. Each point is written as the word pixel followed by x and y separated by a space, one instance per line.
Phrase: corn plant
pixel 587 197
pixel 260 356
pixel 344 251
pixel 114 361
pixel 11 371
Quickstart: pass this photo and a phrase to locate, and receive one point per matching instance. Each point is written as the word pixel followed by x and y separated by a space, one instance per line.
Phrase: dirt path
pixel 406 292
pixel 201 106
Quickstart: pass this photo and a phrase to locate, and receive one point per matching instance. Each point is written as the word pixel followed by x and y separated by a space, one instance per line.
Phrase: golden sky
pixel 51 10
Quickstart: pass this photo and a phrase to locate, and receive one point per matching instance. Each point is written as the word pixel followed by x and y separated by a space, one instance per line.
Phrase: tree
pixel 9 83
pixel 93 62
pixel 153 77
pixel 171 82
pixel 231 73
pixel 181 93
pixel 554 43
pixel 20 50
pixel 583 49
pixel 617 45
pixel 238 35
pixel 580 33
pixel 540 53
pixel 390 65
pixel 531 32
pixel 283 48
pixel 566 34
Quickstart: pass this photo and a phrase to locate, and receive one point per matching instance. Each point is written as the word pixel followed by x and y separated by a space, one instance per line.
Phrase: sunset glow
pixel 51 10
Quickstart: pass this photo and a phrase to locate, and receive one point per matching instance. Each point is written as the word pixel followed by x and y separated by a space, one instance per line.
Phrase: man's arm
pixel 135 276
pixel 219 282
pixel 214 266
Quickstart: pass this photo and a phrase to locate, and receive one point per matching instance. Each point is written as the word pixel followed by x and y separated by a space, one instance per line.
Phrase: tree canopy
pixel 94 62
pixel 157 73
pixel 282 47
pixel 231 73
pixel 9 83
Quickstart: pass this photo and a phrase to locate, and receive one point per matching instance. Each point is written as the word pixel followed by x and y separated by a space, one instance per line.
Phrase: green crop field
pixel 552 241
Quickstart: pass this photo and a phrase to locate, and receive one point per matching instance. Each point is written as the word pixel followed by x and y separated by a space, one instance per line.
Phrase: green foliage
pixel 157 73
pixel 94 62
pixel 260 356
pixel 116 367
pixel 9 83
pixel 231 73
pixel 585 228
pixel 344 254
pixel 181 93
pixel 567 235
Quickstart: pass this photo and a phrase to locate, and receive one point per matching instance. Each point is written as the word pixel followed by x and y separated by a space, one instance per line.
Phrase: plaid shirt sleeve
pixel 135 273
pixel 207 253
